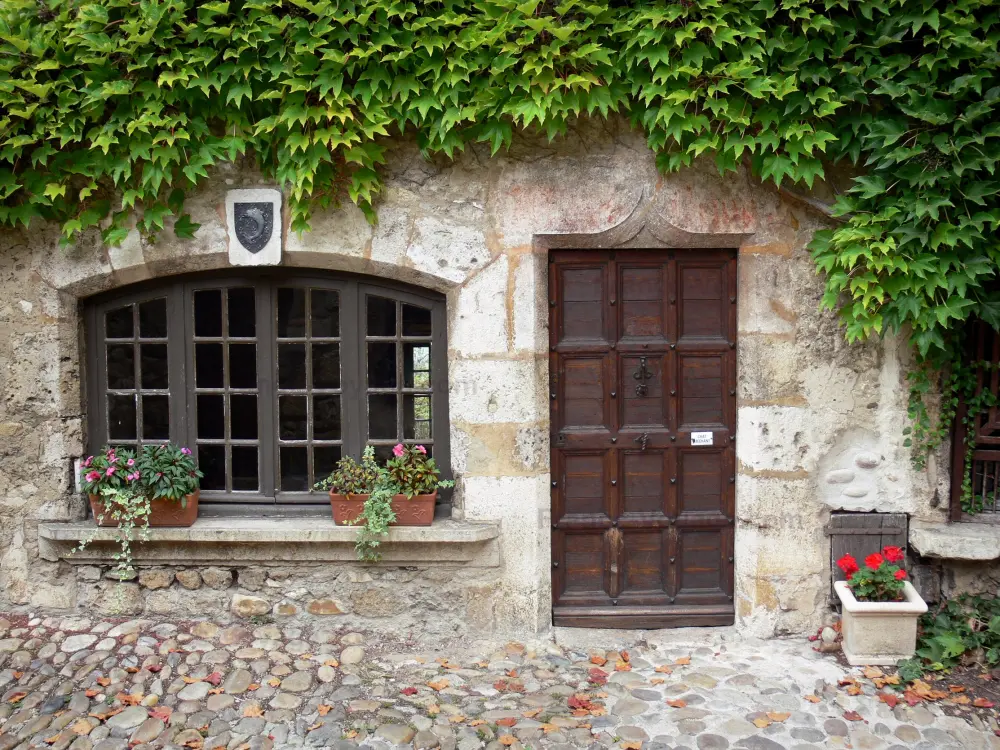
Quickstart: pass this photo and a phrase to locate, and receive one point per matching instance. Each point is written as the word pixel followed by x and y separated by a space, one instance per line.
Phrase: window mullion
pixel 352 358
pixel 267 400
pixel 177 374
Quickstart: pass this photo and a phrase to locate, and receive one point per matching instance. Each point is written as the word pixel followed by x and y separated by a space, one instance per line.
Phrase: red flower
pixel 851 574
pixel 893 554
pixel 848 564
pixel 874 561
pixel 900 575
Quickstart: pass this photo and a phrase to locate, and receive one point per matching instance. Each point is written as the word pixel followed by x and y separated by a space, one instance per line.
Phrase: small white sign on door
pixel 701 438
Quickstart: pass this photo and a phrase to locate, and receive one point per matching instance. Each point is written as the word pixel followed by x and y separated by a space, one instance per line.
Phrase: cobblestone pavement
pixel 111 685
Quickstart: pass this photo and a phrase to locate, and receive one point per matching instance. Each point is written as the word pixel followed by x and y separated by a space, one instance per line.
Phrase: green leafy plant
pixel 881 580
pixel 414 472
pixel 963 629
pixel 350 477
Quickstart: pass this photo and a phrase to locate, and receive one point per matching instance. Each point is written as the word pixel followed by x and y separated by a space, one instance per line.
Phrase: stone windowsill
pixel 956 541
pixel 234 540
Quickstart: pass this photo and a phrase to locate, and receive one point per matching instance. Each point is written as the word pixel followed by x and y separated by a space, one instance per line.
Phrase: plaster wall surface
pixel 819 422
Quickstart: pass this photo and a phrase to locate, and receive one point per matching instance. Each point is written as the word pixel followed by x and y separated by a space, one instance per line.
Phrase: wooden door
pixel 643 395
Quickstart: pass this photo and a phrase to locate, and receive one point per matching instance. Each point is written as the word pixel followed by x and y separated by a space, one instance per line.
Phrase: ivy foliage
pixel 124 105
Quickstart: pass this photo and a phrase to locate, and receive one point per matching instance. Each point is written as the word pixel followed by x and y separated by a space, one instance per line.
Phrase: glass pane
pixel 121 417
pixel 416 321
pixel 381 316
pixel 292 417
pixel 208 312
pixel 243 365
pixel 212 462
pixel 121 366
pixel 294 468
pixel 382 364
pixel 208 365
pixel 325 459
pixel 211 417
pixel 153 364
pixel 382 415
pixel 153 319
pixel 326 365
pixel 155 417
pixel 118 323
pixel 291 312
pixel 291 365
pixel 326 417
pixel 416 417
pixel 242 321
pixel 417 365
pixel 243 417
pixel 383 453
pixel 245 468
pixel 325 313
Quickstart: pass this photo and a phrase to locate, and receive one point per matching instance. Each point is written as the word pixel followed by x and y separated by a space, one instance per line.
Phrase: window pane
pixel 291 365
pixel 382 416
pixel 208 312
pixel 211 417
pixel 291 312
pixel 381 316
pixel 243 365
pixel 417 365
pixel 121 366
pixel 121 417
pixel 242 321
pixel 153 364
pixel 382 364
pixel 243 417
pixel 416 417
pixel 292 417
pixel 326 417
pixel 325 313
pixel 325 459
pixel 294 468
pixel 326 365
pixel 212 462
pixel 155 417
pixel 208 365
pixel 118 323
pixel 416 321
pixel 383 453
pixel 153 319
pixel 245 468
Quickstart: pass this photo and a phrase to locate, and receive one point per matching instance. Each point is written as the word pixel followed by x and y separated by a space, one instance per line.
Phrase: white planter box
pixel 879 632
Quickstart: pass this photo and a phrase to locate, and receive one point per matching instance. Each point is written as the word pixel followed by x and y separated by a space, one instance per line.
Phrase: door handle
pixel 642 374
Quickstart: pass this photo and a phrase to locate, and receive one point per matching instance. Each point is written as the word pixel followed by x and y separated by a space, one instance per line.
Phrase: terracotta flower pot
pixel 163 512
pixel 415 511
pixel 879 632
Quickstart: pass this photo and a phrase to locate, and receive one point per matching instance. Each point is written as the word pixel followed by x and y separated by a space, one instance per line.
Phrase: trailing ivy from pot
pixel 409 473
pixel 125 485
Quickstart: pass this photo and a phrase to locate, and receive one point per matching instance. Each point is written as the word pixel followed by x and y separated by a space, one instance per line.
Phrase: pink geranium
pixel 420 449
pixel 93 476
pixel 399 450
pixel 110 471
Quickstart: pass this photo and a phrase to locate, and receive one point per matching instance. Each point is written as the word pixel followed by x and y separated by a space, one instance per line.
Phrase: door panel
pixel 643 416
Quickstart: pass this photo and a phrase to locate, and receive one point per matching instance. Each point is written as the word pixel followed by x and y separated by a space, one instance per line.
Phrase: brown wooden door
pixel 643 387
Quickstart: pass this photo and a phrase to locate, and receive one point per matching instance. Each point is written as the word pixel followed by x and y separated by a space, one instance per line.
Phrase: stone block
pixel 498 390
pixel 479 322
pixel 248 606
pixel 217 578
pixel 189 579
pixel 324 607
pixel 378 602
pixel 251 578
pixel 157 578
pixel 531 309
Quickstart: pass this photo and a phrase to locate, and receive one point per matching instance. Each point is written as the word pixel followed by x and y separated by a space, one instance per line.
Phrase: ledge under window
pixel 956 541
pixel 241 540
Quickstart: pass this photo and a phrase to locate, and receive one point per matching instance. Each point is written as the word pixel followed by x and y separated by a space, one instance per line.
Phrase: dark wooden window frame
pixel 352 288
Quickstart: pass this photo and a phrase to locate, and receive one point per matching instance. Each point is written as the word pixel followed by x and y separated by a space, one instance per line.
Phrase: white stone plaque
pixel 701 438
pixel 253 219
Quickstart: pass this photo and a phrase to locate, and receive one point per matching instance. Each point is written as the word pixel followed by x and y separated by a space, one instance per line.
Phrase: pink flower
pixel 93 476
pixel 421 449
pixel 87 463
pixel 131 462
pixel 399 450
pixel 186 451
pixel 110 471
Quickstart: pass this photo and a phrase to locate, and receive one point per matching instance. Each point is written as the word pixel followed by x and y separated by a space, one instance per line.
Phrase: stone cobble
pixel 88 684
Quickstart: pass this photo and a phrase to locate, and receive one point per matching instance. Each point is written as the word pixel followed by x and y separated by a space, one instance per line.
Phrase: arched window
pixel 270 377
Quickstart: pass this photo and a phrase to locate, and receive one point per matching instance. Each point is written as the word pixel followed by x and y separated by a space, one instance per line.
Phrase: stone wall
pixel 819 422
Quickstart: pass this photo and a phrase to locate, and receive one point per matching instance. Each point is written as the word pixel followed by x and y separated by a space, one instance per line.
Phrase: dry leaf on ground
pixel 813 698
pixel 253 711
pixel 683 660
pixel 663 669
pixel 507 721
pixel 438 684
pixel 598 660
pixel 778 716
pixel 324 709
pixel 81 727
pixel 761 722
pixel 853 716
pixel 506 739
pixel 872 672
pixel 677 703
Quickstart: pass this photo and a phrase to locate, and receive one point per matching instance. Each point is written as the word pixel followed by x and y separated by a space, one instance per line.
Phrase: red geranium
pixel 900 575
pixel 874 561
pixel 848 564
pixel 893 554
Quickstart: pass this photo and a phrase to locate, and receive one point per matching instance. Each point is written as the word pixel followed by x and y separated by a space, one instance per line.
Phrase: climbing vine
pixel 117 108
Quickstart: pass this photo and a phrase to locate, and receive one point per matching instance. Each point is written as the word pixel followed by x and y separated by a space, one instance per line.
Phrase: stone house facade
pixel 811 424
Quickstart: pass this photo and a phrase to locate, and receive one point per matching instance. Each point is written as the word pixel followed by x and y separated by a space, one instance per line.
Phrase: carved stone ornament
pixel 254 223
pixel 253 218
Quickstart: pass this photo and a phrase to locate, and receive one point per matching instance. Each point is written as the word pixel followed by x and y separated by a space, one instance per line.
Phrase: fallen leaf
pixel 274 682
pixel 532 713
pixel 105 715
pixel 813 698
pixel 17 697
pixel 253 686
pixel 351 734
pixel 657 681
pixel 683 660
pixel 960 700
pixel 778 716
pixel 51 740
pixel 215 678
pixel 216 691
pixel 456 719
pixel 911 698
pixel 889 699
pixel 846 681
pixel 130 700
pixel 188 680
pixel 677 703
pixel 477 722
pixel 622 666
pixel 853 716
pixel 331 663
pixel 506 739
pixel 854 690
pixel 600 695
pixel 598 711
pixel 154 668
pixel 507 721
pixel 956 689
pixel 633 745
pixel 81 727
pixel 664 669
pixel 982 703
pixel 103 681
pixel 598 660
pixel 483 664
pixel 438 684
pixel 18 675
pixel 162 713
pixel 253 711
pixel 195 743
pixel 324 709
pixel 91 692
pixel 131 670
pixel 597 676
pixel 625 656
pixel 892 679
pixel 548 728
pixel 511 673
pixel 872 672
pixel 317 725
pixel 433 710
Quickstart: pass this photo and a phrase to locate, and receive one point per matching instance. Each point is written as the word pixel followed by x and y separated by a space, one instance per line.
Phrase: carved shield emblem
pixel 254 224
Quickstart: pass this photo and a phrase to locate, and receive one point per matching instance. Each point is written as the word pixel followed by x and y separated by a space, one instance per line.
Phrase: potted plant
pixel 157 487
pixel 373 497
pixel 880 609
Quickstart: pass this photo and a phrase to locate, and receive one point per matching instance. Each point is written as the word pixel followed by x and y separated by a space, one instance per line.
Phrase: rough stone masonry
pixel 819 422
